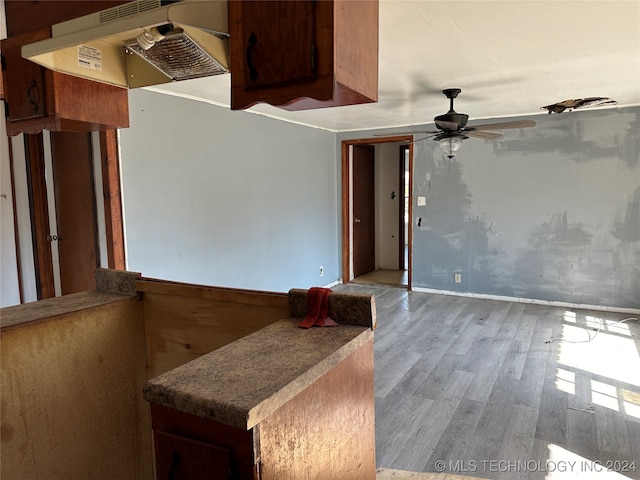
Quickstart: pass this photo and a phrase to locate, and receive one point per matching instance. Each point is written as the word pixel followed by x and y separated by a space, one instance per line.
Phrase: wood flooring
pixel 390 474
pixel 495 389
pixel 383 277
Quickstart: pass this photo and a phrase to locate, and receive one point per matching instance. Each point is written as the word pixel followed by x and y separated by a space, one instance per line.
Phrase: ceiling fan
pixel 453 129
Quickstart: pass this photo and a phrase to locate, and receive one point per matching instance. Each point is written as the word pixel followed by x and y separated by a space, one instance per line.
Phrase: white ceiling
pixel 508 57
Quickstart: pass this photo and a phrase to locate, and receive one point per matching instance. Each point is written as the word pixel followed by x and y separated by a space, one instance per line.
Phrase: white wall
pixel 387 221
pixel 9 291
pixel 227 198
pixel 23 227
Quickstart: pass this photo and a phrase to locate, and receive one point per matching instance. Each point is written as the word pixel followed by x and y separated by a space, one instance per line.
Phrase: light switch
pixel 422 201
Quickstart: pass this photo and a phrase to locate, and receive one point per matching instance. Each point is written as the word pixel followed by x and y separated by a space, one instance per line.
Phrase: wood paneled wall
pixel 72 378
pixel 72 403
pixel 183 322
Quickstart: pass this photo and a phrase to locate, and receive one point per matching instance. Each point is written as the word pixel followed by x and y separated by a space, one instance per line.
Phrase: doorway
pixel 76 235
pixel 376 210
pixel 62 193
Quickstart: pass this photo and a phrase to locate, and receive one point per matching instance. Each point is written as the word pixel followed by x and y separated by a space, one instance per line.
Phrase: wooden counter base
pixel 327 431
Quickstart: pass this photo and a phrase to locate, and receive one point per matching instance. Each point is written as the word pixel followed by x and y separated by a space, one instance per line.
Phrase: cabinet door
pixel 182 458
pixel 25 87
pixel 278 42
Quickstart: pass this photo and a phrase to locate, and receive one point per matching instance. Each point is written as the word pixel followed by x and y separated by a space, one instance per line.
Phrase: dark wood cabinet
pixel 25 88
pixel 302 54
pixel 265 35
pixel 182 458
pixel 40 99
pixel 194 448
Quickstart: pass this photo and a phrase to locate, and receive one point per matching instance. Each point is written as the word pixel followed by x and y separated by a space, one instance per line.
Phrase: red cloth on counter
pixel 317 309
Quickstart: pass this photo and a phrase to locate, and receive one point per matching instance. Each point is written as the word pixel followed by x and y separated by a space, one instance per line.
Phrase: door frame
pixel 347 187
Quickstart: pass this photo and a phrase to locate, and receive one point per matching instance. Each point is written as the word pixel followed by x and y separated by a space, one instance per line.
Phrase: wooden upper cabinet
pixel 303 54
pixel 25 86
pixel 267 35
pixel 40 99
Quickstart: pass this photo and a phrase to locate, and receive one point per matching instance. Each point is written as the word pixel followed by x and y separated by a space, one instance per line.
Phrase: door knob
pixel 357 220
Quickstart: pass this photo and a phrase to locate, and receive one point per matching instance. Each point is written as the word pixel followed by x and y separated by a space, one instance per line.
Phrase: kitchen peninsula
pixel 232 384
pixel 280 403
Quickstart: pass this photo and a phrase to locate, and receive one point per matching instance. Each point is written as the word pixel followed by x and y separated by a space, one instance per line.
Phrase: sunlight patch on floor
pixel 631 403
pixel 603 353
pixel 564 464
pixel 566 381
pixel 604 394
pixel 602 347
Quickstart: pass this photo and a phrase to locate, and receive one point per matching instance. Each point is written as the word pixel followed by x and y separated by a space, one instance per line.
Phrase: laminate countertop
pixel 31 313
pixel 245 381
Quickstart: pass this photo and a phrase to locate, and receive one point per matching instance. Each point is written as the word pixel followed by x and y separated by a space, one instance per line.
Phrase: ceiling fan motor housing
pixel 446 120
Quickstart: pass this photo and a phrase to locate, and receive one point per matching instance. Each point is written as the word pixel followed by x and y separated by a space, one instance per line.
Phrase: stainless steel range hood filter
pixel 178 57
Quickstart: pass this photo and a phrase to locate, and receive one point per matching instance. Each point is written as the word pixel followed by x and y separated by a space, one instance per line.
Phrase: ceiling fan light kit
pixel 450 143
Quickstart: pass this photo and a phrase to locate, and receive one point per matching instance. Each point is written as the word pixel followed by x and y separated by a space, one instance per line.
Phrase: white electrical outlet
pixel 321 271
pixel 457 278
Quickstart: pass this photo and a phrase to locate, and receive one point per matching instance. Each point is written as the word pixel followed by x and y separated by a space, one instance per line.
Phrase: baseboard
pixel 528 300
pixel 332 284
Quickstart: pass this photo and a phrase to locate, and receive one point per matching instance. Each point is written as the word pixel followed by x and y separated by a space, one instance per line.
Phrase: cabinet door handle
pixel 33 89
pixel 175 461
pixel 253 73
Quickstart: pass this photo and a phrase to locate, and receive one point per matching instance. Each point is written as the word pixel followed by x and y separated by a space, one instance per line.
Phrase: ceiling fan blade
pixel 502 125
pixel 395 134
pixel 485 135
pixel 433 134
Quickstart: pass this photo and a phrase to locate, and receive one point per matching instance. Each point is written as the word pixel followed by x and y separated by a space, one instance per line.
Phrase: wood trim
pixel 401 237
pixel 346 195
pixel 397 138
pixel 346 221
pixel 2 78
pixel 410 226
pixel 16 233
pixel 230 295
pixel 39 212
pixel 112 197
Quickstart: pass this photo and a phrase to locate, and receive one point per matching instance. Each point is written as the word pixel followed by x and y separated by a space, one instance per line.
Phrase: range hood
pixel 138 44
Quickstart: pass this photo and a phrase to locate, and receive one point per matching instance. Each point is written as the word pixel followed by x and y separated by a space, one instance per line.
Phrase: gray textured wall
pixel 551 212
